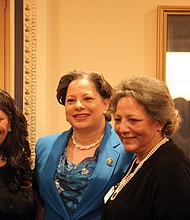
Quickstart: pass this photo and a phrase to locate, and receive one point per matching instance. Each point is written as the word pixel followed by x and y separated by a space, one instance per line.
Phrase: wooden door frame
pixel 5 44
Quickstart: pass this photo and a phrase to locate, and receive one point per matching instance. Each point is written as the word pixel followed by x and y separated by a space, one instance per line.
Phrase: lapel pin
pixel 109 161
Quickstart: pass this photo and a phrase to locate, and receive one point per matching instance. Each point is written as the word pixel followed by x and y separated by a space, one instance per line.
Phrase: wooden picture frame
pixel 162 18
pixel 29 72
pixel 173 36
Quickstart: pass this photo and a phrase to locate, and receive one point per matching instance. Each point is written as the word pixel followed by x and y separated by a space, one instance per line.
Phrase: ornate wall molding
pixel 29 81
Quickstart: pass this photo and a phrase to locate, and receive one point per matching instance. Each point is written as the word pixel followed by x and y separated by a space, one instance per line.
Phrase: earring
pixel 104 112
pixel 9 130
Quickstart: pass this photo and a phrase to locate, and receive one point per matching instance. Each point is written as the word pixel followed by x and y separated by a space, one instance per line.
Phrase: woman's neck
pixel 87 137
pixel 141 155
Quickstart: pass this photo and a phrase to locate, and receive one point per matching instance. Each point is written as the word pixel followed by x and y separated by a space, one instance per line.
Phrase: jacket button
pixel 109 161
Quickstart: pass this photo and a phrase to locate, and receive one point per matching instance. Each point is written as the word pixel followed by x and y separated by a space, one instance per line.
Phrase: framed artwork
pixel 173 34
pixel 173 63
pixel 18 57
pixel 29 71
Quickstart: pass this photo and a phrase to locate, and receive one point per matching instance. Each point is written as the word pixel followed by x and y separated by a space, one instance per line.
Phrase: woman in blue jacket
pixel 75 168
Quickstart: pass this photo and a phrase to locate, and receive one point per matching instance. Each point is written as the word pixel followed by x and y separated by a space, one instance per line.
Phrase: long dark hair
pixel 15 148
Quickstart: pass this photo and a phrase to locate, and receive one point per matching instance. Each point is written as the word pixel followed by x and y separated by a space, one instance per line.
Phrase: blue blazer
pixel 48 152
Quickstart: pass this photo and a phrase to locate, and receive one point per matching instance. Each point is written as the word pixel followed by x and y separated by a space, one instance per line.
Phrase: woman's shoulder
pixel 45 144
pixel 170 160
pixel 174 154
pixel 52 137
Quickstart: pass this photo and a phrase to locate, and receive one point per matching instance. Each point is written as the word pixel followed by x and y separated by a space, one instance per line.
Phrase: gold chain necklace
pixel 81 147
pixel 130 175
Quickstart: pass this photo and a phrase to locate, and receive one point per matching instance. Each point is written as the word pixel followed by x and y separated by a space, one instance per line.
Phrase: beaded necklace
pixel 130 175
pixel 81 147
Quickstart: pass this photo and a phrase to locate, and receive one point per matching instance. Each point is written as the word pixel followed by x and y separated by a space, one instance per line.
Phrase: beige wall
pixel 115 37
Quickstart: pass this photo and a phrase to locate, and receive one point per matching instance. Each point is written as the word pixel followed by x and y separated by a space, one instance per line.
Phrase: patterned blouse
pixel 72 180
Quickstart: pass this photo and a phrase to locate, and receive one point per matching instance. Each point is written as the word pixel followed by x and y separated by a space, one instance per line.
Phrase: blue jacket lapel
pixel 101 180
pixel 103 172
pixel 49 170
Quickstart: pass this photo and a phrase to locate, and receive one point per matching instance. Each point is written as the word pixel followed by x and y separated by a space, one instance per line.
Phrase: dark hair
pixel 154 96
pixel 15 148
pixel 101 85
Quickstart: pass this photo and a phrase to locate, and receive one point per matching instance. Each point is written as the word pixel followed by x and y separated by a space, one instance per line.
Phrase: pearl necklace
pixel 81 147
pixel 130 175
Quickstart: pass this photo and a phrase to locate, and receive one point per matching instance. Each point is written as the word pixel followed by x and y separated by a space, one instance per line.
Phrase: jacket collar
pixel 100 176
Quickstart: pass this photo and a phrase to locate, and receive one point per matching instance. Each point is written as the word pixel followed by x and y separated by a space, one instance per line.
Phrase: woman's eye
pixel 88 98
pixel 117 119
pixel 70 100
pixel 133 120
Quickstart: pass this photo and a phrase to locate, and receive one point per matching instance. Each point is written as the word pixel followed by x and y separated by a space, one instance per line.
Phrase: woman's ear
pixel 9 130
pixel 159 125
pixel 106 104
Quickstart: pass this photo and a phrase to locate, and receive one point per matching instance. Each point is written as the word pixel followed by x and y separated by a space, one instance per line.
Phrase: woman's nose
pixel 123 127
pixel 79 104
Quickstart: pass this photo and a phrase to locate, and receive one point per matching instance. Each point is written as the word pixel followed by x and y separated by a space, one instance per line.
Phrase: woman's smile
pixel 81 116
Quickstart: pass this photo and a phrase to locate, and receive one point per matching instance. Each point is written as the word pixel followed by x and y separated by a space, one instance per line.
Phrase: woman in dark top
pixel 157 183
pixel 16 193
